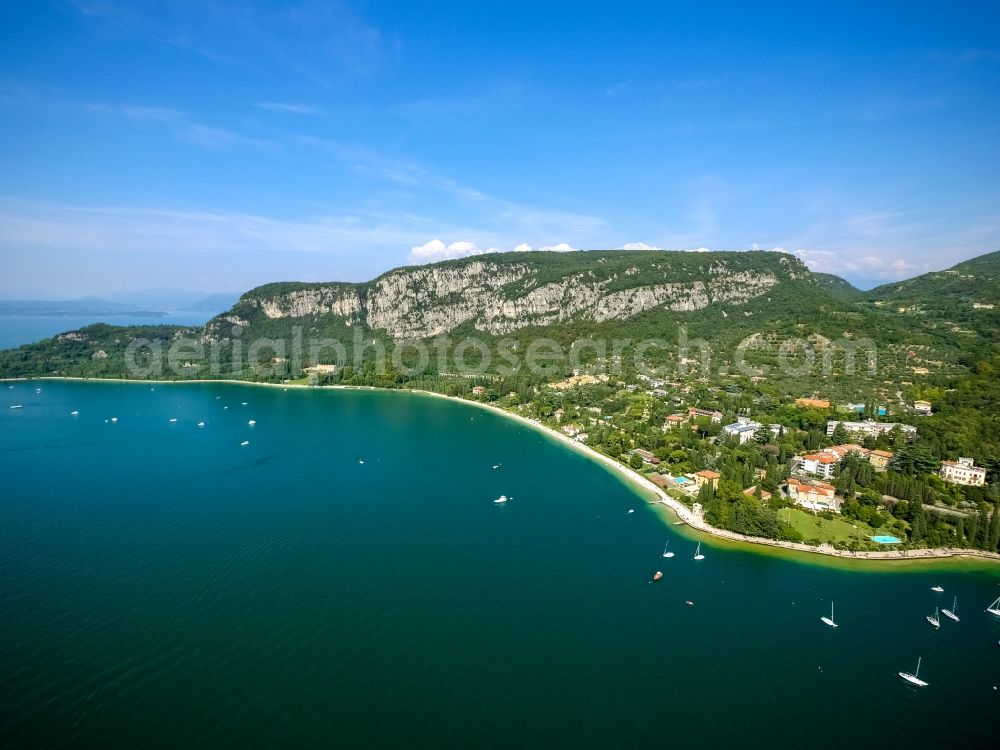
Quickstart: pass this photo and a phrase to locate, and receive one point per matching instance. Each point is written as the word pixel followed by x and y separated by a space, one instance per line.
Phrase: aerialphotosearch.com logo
pixel 471 356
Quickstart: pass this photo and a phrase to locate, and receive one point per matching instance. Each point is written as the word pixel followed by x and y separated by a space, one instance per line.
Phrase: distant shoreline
pixel 636 481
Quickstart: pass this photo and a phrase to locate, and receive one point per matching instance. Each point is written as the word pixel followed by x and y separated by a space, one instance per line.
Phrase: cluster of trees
pixel 729 508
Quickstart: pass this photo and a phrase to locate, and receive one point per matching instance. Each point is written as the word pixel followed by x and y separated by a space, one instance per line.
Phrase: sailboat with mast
pixel 665 552
pixel 697 553
pixel 934 619
pixel 994 608
pixel 953 612
pixel 829 620
pixel 915 677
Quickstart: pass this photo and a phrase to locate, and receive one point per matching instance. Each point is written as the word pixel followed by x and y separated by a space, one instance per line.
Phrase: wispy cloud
pixel 980 55
pixel 498 97
pixel 616 89
pixel 180 125
pixel 316 40
pixel 882 108
pixel 289 108
pixel 74 228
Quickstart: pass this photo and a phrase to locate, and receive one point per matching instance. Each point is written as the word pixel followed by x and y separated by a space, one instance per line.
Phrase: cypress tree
pixel 994 541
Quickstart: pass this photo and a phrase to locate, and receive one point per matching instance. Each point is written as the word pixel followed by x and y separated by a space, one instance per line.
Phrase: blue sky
pixel 219 145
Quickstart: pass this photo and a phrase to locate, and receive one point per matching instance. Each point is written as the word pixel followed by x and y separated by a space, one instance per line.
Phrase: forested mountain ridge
pixel 722 298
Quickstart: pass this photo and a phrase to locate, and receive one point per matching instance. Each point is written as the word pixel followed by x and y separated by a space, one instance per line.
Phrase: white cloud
pixel 562 247
pixel 524 247
pixel 638 246
pixel 437 250
pixel 868 266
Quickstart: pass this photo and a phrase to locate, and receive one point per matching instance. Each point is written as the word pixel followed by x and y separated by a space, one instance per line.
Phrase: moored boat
pixel 829 620
pixel 934 619
pixel 914 678
pixel 953 612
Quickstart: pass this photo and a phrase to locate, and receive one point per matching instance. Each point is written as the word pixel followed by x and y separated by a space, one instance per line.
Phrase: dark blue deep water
pixel 346 580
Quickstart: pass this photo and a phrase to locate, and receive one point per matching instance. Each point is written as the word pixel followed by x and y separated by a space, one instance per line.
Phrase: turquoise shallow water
pixel 162 585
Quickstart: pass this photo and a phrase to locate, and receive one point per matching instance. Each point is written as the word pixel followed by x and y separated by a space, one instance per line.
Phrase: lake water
pixel 346 580
pixel 17 330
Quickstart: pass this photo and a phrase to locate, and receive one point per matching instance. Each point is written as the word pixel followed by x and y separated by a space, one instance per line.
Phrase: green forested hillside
pixel 838 287
pixel 926 330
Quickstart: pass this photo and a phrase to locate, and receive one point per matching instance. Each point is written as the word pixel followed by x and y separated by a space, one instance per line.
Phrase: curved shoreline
pixel 635 480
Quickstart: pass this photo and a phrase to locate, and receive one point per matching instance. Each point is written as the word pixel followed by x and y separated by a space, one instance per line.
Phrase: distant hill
pixel 175 300
pixel 963 301
pixel 87 306
pixel 838 287
pixel 972 281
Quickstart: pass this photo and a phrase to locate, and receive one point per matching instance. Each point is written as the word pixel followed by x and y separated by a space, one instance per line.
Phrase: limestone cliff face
pixel 345 303
pixel 500 294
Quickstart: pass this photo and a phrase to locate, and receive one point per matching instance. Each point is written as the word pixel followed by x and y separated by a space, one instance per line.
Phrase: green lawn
pixel 813 527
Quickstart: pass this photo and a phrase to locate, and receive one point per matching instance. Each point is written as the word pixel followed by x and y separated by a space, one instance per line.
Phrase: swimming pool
pixel 886 539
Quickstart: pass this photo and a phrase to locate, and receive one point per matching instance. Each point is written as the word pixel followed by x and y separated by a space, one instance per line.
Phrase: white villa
pixel 963 471
pixel 871 427
pixel 743 428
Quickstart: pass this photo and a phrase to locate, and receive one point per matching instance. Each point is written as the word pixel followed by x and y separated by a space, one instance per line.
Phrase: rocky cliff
pixel 501 293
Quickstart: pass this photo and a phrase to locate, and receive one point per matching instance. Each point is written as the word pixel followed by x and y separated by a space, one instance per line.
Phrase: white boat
pixel 16 406
pixel 501 500
pixel 631 510
pixel 245 442
pixel 937 589
pixel 74 413
pixel 243 403
pixel 496 466
pixel 201 424
pixel 252 422
pixel 934 619
pixel 173 419
pixel 994 608
pixel 114 419
pixel 953 612
pixel 829 620
pixel 697 553
pixel 915 677
pixel 665 553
